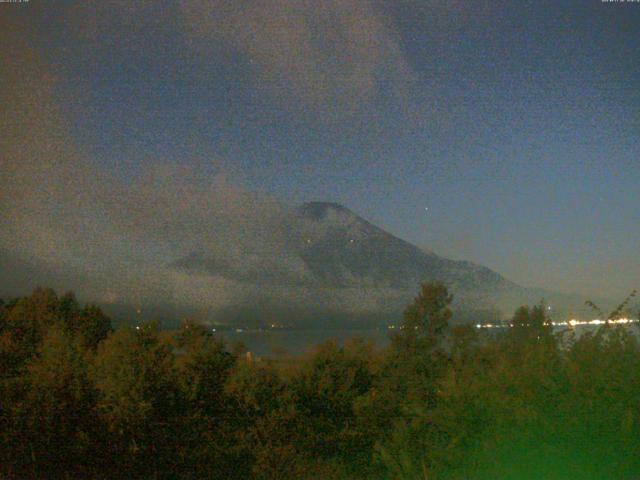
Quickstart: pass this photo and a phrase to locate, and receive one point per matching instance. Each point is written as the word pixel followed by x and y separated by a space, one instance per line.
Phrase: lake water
pixel 296 342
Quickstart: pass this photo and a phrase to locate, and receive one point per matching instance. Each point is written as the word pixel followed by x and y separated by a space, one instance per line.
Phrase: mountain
pixel 330 261
pixel 342 249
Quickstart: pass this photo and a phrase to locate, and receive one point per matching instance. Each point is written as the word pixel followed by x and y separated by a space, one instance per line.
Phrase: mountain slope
pixel 343 249
pixel 329 257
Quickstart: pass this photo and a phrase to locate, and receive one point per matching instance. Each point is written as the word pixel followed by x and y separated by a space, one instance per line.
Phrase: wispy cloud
pixel 336 57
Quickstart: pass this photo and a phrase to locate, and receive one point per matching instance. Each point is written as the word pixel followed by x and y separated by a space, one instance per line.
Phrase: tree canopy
pixel 81 400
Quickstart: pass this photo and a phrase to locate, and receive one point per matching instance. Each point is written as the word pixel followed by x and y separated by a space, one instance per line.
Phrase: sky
pixel 505 133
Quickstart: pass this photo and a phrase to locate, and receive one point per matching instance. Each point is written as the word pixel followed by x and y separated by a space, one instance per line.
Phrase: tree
pixel 56 418
pixel 204 366
pixel 326 390
pixel 89 323
pixel 138 397
pixel 531 325
pixel 204 434
pixel 417 355
pixel 3 316
pixel 617 312
pixel 408 390
pixel 264 425
pixel 25 325
pixel 429 314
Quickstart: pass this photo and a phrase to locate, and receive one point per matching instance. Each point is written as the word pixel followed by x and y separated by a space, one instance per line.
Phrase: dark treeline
pixel 80 400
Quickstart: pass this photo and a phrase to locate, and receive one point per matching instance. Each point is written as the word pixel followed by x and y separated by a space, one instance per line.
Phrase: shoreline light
pixel 571 323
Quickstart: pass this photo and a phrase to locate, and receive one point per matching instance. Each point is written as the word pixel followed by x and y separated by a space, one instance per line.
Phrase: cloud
pixel 68 223
pixel 325 59
pixel 73 224
pixel 334 56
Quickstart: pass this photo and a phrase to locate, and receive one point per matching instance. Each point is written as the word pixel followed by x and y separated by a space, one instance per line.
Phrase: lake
pixel 296 342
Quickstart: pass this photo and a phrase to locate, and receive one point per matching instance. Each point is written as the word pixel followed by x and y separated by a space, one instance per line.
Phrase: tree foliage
pixel 78 400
